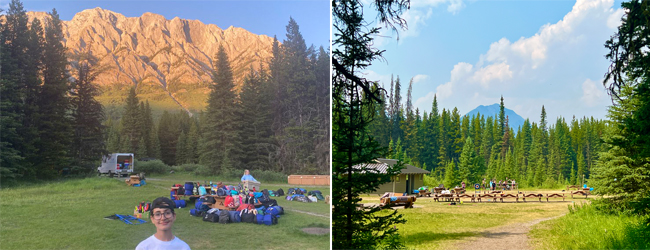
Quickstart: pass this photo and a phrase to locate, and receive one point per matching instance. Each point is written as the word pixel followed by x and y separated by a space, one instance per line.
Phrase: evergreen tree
pixel 55 122
pixel 13 61
pixel 352 144
pixel 451 176
pixel 132 119
pixel 256 117
pixel 87 116
pixel 467 171
pixel 220 147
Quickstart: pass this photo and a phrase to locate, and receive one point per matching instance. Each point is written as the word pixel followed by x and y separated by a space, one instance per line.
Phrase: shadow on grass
pixel 424 237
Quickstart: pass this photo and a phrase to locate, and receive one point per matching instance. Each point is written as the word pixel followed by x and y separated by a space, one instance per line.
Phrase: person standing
pixel 162 216
pixel 247 176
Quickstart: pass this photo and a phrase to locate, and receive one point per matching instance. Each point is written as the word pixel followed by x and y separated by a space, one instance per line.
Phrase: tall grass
pixel 588 227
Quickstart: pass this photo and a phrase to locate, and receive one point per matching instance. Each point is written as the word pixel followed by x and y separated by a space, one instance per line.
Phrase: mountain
pixel 514 120
pixel 170 61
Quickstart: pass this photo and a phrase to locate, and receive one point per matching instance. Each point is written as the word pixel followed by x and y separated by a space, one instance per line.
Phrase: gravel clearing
pixel 509 237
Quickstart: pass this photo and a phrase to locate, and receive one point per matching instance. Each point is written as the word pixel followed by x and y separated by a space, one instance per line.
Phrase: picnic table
pixel 492 196
pixel 407 201
pixel 458 190
pixel 438 190
pixel 580 192
pixel 555 196
pixel 424 192
pixel 446 197
pixel 572 186
pixel 509 196
pixel 458 196
pixel 524 196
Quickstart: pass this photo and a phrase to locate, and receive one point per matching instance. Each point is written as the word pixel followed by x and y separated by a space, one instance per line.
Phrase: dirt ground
pixel 504 237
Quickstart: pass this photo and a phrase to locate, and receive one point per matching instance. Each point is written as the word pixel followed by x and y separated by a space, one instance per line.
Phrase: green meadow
pixel 69 214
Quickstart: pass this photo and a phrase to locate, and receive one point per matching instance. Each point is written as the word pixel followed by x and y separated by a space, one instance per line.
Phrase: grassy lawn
pixel 438 225
pixel 70 215
pixel 587 228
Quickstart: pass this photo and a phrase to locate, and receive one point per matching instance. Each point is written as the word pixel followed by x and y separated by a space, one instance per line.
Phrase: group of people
pixel 508 184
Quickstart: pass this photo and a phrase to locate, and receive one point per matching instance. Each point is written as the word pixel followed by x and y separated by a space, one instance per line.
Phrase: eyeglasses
pixel 158 216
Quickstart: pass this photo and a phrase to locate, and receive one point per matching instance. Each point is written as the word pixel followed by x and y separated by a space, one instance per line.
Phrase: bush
pixel 203 170
pixel 268 176
pixel 188 167
pixel 152 167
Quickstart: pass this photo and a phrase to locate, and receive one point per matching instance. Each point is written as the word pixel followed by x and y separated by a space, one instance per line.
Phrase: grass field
pixel 588 228
pixel 438 225
pixel 70 215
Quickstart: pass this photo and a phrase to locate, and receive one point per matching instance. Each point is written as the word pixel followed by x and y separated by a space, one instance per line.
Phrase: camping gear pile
pixel 135 181
pixel 142 209
pixel 300 194
pixel 249 207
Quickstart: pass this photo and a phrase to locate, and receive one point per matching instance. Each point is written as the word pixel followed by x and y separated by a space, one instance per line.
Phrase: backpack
pixel 301 198
pixel 196 212
pixel 211 217
pixel 272 193
pixel 222 192
pixel 172 195
pixel 198 203
pixel 210 200
pixel 224 217
pixel 273 211
pixel 242 207
pixel 234 217
pixel 247 216
pixel 229 202
pixel 260 218
pixel 202 190
pixel 289 197
pixel 280 192
pixel 270 203
pixel 302 190
pixel 269 220
pixel 238 201
pixel 314 192
pixel 320 196
pixel 279 208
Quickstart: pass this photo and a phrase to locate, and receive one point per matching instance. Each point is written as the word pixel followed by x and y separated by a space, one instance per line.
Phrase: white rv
pixel 116 164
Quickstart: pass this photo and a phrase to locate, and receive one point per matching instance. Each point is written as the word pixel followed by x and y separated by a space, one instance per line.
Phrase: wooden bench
pixel 524 196
pixel 472 198
pixel 572 186
pixel 492 196
pixel 555 196
pixel 509 196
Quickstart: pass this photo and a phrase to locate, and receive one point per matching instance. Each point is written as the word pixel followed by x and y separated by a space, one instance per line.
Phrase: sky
pixel 470 53
pixel 265 17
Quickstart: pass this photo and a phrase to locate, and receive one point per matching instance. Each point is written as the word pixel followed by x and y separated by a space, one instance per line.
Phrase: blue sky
pixel 534 53
pixel 264 17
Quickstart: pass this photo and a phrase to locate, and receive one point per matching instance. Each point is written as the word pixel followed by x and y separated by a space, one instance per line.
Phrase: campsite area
pixel 69 214
pixel 509 224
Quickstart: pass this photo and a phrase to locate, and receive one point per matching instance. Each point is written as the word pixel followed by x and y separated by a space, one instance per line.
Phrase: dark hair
pixel 162 203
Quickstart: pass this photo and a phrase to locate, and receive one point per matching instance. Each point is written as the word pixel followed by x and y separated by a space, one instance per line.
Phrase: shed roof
pixel 382 164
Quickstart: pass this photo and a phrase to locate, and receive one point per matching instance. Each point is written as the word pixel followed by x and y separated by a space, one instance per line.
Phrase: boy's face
pixel 163 219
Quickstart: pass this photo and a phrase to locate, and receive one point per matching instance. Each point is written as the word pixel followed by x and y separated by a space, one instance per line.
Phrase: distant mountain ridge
pixel 171 58
pixel 514 120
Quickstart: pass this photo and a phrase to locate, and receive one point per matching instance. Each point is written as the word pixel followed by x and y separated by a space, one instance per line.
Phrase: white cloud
pixel 492 72
pixel 419 78
pixel 592 94
pixel 455 6
pixel 543 69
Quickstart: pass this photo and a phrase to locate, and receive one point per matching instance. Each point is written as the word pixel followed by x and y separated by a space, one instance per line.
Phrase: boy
pixel 162 216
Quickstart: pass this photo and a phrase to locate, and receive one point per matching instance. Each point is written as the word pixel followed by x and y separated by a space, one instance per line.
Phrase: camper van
pixel 116 164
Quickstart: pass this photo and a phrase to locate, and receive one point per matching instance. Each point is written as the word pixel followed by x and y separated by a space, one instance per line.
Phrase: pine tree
pixel 352 145
pixel 220 149
pixel 466 169
pixel 87 116
pixel 132 119
pixel 451 176
pixel 54 104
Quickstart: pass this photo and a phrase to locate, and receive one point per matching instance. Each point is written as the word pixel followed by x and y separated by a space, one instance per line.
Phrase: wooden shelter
pixel 409 179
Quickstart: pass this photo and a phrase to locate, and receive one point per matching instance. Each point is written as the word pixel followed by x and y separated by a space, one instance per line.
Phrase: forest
pixel 53 125
pixel 457 148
